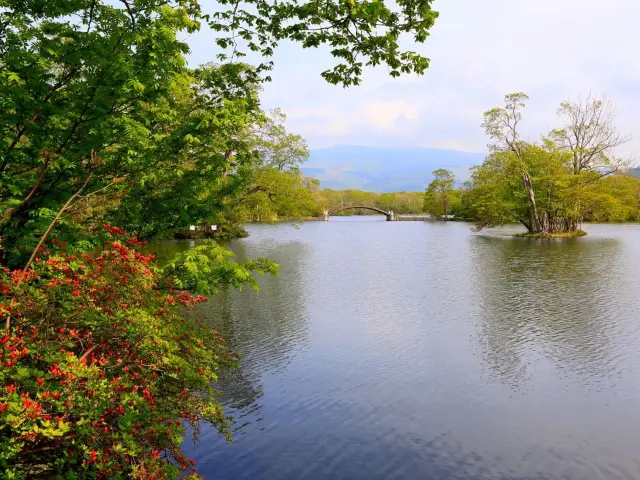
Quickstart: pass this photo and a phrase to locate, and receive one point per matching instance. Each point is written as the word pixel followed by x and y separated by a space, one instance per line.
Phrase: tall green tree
pixel 547 186
pixel 439 194
pixel 269 185
pixel 96 98
pixel 501 125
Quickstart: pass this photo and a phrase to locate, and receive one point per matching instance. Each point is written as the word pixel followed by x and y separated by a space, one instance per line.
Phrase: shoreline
pixel 575 234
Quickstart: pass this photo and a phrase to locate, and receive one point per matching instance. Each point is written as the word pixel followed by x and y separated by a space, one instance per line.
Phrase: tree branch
pixel 88 352
pixel 133 18
pixel 57 217
pixel 35 188
pixel 93 6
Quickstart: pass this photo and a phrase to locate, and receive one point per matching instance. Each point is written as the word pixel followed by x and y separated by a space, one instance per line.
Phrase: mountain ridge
pixel 385 169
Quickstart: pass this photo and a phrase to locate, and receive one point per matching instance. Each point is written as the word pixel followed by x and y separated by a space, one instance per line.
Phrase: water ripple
pixel 416 350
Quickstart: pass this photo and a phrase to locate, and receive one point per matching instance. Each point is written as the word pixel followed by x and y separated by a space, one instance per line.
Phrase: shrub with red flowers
pixel 103 369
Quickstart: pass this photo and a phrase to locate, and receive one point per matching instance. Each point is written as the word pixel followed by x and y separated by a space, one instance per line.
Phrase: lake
pixel 416 350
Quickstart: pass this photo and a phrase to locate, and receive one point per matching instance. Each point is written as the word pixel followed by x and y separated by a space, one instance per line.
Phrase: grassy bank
pixel 574 234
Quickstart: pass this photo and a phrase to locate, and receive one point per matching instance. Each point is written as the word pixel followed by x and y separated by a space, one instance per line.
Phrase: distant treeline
pixel 401 203
pixel 570 176
pixel 550 186
pixel 613 198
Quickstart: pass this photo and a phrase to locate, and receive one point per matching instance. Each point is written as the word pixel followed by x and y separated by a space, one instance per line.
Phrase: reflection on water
pixel 548 300
pixel 419 350
pixel 268 329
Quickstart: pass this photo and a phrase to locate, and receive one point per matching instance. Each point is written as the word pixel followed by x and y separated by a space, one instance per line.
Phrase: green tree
pixel 270 185
pixel 501 125
pixel 277 147
pixel 199 164
pixel 439 194
pixel 96 98
pixel 277 195
pixel 547 186
pixel 615 198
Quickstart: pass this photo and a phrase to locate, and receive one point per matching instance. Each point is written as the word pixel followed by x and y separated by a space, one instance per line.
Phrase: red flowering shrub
pixel 101 369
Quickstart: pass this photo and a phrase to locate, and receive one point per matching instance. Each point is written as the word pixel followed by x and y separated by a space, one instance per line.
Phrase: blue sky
pixel 479 50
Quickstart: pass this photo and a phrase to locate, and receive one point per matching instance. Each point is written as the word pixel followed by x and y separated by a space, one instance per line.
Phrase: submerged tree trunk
pixel 545 222
pixel 549 224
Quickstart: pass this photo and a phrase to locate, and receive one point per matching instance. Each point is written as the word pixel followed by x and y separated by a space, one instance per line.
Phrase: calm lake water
pixel 415 350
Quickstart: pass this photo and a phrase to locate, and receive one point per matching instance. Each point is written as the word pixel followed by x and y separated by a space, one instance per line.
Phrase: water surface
pixel 415 350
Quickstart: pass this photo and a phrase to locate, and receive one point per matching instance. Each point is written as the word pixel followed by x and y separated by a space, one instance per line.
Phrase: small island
pixel 550 187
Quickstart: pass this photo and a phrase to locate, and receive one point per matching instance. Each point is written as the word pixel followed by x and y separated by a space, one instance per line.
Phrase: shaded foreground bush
pixel 103 366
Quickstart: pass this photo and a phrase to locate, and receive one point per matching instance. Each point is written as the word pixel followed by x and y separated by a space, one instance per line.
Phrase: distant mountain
pixel 385 169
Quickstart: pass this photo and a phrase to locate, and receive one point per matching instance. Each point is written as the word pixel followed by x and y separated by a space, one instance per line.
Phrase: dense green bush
pixel 103 366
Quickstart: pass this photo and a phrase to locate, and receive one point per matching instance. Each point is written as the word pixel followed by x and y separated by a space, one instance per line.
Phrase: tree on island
pixel 439 194
pixel 547 186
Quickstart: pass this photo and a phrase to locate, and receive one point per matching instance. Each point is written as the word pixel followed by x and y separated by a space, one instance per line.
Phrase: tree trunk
pixel 544 224
pixel 534 220
pixel 446 208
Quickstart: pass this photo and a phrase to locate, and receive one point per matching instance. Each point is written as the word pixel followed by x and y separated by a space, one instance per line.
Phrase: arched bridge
pixel 390 215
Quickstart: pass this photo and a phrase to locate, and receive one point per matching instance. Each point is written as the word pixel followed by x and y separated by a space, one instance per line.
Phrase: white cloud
pixel 383 115
pixel 297 113
pixel 451 145
pixel 318 121
pixel 479 50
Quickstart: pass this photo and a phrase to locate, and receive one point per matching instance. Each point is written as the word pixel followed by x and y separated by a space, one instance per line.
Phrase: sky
pixel 552 50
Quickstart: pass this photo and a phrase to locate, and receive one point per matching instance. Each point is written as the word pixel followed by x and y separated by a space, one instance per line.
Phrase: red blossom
pixel 141 380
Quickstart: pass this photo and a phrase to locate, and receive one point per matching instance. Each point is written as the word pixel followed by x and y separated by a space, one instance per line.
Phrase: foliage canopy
pixel 551 186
